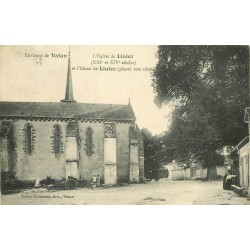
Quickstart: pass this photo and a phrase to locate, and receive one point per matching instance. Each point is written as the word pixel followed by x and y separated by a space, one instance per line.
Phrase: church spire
pixel 69 87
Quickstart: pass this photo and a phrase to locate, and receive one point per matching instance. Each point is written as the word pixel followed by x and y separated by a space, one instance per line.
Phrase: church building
pixel 67 138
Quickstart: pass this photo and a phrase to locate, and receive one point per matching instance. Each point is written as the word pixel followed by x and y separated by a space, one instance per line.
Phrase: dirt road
pixel 152 193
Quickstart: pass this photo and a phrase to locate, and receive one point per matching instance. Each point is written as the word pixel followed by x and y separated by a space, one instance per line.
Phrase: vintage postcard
pixel 118 125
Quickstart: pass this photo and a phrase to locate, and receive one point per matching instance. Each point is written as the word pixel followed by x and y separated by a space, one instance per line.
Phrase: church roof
pixel 70 110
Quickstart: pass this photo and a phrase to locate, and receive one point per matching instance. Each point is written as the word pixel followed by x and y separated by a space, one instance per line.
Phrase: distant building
pixel 61 139
pixel 177 172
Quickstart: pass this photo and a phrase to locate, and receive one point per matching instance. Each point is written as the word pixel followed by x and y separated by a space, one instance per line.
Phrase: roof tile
pixel 67 110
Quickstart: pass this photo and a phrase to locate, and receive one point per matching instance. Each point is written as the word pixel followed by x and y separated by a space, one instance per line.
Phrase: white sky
pixel 25 79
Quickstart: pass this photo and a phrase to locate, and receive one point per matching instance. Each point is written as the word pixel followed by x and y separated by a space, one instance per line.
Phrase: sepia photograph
pixel 124 125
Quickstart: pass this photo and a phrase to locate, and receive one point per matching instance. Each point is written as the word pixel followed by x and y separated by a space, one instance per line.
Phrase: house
pixel 240 157
pixel 67 138
pixel 195 171
pixel 176 172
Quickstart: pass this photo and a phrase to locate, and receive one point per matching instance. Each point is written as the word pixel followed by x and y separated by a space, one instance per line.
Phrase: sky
pixel 33 74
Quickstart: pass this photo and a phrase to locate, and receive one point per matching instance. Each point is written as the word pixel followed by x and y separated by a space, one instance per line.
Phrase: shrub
pixel 48 181
pixel 9 183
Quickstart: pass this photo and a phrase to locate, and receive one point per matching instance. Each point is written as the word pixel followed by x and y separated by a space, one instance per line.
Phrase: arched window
pixel 89 141
pixel 57 139
pixel 29 138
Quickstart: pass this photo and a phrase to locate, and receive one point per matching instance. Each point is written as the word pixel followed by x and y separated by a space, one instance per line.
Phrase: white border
pixel 124 22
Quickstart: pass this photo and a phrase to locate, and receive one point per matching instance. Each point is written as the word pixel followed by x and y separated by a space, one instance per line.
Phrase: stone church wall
pixel 4 154
pixel 91 164
pixel 94 164
pixel 42 162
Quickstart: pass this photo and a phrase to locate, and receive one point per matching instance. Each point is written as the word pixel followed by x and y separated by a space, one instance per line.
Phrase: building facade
pixel 67 138
pixel 240 156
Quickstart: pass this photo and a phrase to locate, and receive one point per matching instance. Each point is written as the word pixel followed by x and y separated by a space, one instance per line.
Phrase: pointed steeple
pixel 69 87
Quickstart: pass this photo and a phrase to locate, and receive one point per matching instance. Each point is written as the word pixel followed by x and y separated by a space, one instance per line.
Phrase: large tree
pixel 153 166
pixel 209 85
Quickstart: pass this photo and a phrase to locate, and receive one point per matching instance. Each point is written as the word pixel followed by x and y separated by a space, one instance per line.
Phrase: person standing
pixel 228 181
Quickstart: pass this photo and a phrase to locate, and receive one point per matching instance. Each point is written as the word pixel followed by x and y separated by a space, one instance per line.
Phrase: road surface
pixel 152 193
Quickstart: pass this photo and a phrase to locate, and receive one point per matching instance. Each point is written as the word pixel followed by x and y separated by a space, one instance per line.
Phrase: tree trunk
pixel 212 173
